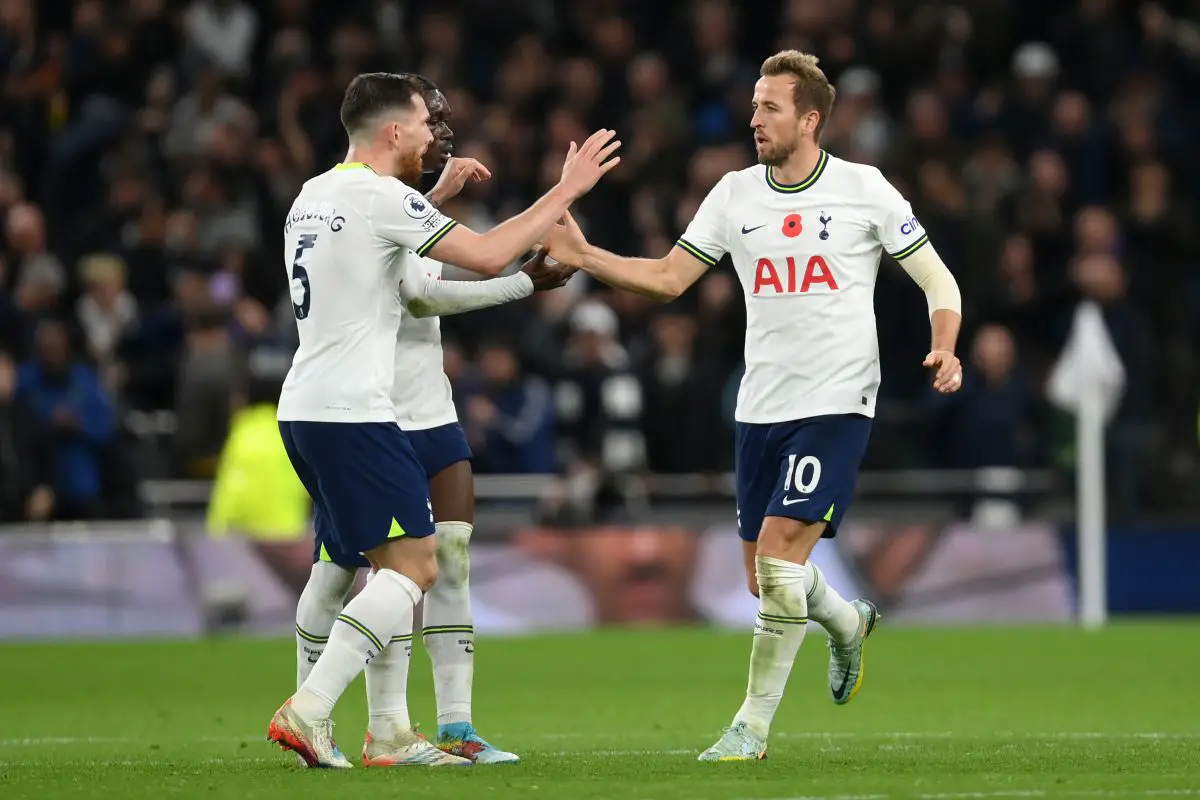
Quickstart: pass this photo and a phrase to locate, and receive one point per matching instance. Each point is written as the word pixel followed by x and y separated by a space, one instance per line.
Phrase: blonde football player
pixel 805 232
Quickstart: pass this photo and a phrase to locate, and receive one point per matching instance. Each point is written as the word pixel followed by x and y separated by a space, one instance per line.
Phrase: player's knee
pixel 789 539
pixel 425 574
pixel 327 586
pixel 422 567
pixel 413 558
pixel 453 559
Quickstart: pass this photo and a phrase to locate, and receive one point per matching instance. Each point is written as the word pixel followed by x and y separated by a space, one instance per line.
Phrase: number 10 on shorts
pixel 804 472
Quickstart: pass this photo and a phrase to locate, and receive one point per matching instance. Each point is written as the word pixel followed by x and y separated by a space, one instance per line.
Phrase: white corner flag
pixel 1089 380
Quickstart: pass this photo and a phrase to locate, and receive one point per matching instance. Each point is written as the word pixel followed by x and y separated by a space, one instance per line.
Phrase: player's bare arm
pixel 663 279
pixel 457 174
pixel 426 296
pixel 928 271
pixel 489 253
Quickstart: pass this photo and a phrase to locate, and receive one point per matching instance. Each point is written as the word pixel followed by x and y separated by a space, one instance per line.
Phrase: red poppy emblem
pixel 791 225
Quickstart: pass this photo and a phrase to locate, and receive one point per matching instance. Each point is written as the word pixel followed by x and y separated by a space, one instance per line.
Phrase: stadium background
pixel 148 152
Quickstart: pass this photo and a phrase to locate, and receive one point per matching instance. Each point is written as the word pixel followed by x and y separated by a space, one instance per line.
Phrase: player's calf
pixel 322 599
pixel 780 567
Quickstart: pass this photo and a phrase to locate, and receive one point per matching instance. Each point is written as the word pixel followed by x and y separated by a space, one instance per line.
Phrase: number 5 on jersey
pixel 300 289
pixel 796 473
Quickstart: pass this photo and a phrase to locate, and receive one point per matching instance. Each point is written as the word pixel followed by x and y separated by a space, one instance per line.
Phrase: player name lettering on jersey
pixel 322 212
pixel 813 248
pixel 794 276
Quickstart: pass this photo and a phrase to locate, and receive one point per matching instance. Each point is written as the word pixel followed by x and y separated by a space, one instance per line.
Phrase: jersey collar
pixel 352 165
pixel 792 188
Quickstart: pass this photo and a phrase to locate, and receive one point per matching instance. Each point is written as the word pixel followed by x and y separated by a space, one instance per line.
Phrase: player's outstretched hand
pixel 565 242
pixel 547 276
pixel 454 177
pixel 587 164
pixel 948 376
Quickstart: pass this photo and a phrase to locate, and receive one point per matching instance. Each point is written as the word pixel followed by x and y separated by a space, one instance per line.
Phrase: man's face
pixel 439 126
pixel 53 350
pixel 498 365
pixel 778 129
pixel 412 138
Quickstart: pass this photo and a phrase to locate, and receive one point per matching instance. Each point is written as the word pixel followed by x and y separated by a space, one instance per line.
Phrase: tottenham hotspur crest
pixel 824 234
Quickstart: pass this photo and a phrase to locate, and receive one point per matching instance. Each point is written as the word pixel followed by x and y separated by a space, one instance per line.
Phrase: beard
pixel 775 155
pixel 409 169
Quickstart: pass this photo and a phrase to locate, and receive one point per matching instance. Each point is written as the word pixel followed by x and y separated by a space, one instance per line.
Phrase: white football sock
pixel 778 632
pixel 447 631
pixel 387 684
pixel 830 609
pixel 362 632
pixel 322 599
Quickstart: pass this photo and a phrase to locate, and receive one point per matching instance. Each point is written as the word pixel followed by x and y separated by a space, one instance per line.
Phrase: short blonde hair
pixel 812 90
pixel 102 268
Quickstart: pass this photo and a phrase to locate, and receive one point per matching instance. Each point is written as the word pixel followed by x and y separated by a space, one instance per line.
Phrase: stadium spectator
pixel 509 417
pixel 598 398
pixel 678 430
pixel 26 455
pixel 988 423
pixel 105 312
pixel 69 402
pixel 39 278
pixel 207 378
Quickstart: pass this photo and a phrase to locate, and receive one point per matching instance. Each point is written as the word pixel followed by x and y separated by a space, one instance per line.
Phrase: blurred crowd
pixel 150 149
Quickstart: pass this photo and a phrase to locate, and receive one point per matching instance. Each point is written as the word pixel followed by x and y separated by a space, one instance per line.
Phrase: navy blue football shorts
pixel 435 450
pixel 804 470
pixel 365 480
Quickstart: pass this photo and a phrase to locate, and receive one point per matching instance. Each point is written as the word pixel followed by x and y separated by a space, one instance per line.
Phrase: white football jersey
pixel 421 394
pixel 807 256
pixel 345 241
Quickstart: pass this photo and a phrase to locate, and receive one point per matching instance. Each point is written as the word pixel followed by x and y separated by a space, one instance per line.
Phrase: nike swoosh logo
pixel 746 230
pixel 790 501
pixel 840 691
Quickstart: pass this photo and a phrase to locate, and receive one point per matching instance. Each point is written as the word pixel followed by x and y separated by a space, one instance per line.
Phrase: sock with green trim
pixel 387 684
pixel 319 604
pixel 778 633
pixel 833 612
pixel 363 630
pixel 448 633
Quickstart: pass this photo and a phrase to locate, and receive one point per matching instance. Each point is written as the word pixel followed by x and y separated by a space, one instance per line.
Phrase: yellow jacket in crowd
pixel 256 492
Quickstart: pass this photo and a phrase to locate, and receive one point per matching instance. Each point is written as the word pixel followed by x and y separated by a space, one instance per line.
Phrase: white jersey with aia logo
pixel 345 242
pixel 421 394
pixel 807 256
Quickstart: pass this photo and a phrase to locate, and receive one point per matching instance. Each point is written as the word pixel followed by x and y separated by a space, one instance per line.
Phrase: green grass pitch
pixel 943 715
